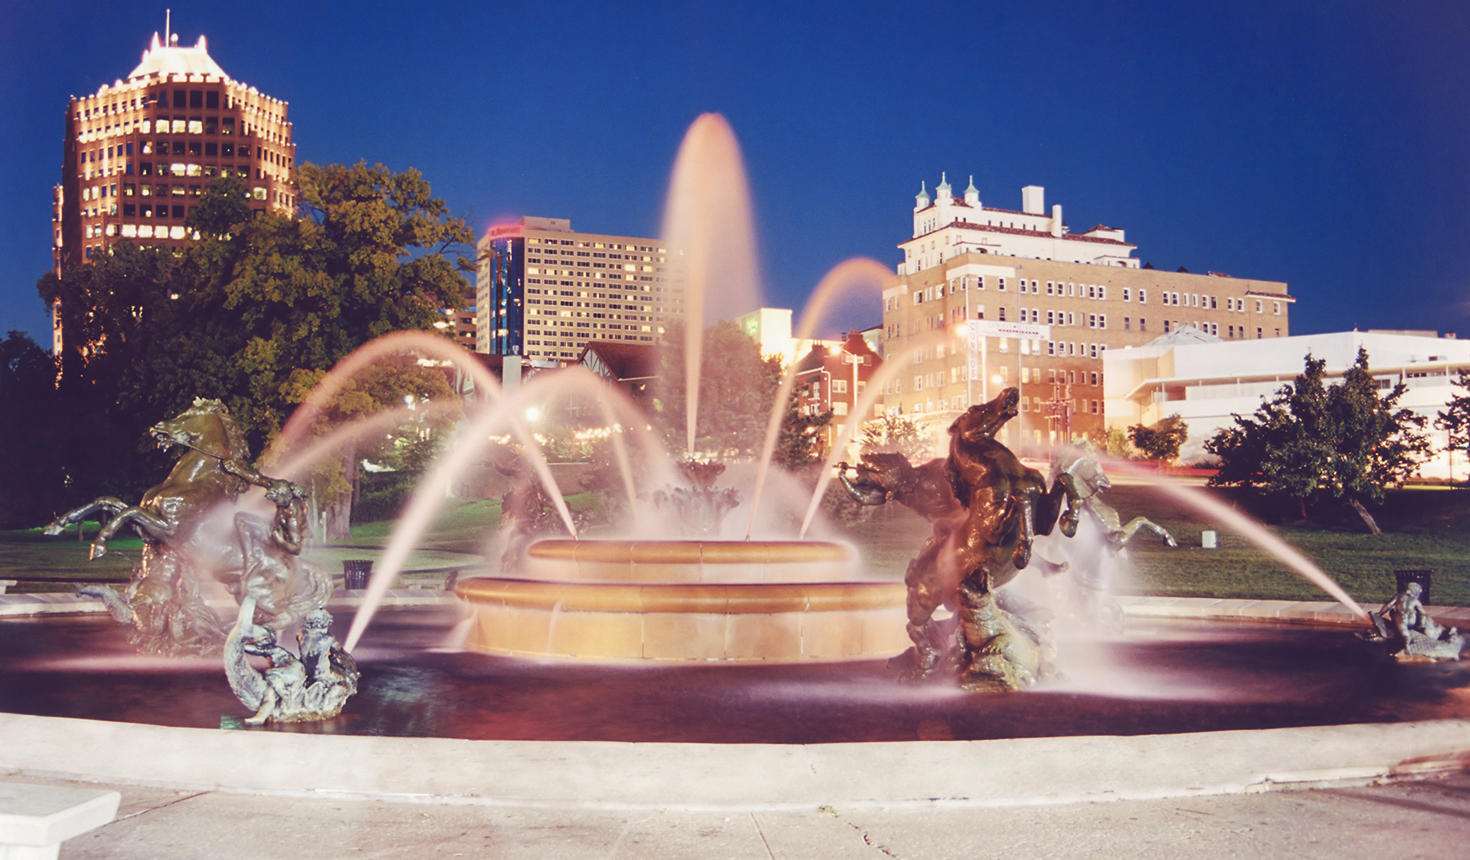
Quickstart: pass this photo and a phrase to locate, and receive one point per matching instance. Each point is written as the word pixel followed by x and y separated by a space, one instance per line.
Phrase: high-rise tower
pixel 140 152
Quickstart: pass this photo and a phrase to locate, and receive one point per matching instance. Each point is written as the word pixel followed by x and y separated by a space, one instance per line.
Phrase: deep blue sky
pixel 1325 144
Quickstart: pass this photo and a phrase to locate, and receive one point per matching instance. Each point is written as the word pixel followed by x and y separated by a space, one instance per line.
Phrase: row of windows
pixel 182 99
pixel 627 267
pixel 1072 290
pixel 581 244
pixel 600 255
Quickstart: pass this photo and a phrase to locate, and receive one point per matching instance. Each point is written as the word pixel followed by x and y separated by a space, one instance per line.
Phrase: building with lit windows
pixel 139 152
pixel 543 291
pixel 1046 304
pixel 832 376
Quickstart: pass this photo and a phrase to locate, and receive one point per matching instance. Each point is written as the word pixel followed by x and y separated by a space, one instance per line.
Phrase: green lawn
pixel 1423 528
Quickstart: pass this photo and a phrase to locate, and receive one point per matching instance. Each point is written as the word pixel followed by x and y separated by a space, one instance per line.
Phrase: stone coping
pixel 708 552
pixel 34 819
pixel 1278 611
pixel 604 775
pixel 731 599
pixel 58 603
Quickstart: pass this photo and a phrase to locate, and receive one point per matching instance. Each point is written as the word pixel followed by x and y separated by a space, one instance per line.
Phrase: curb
pixel 636 776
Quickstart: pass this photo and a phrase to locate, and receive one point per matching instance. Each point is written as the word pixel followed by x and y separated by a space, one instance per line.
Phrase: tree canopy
pixel 1347 441
pixel 256 310
pixel 1161 441
pixel 1455 418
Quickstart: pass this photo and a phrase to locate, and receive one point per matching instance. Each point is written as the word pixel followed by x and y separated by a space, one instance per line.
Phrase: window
pixel 839 386
pixel 1276 306
pixel 839 407
pixel 1258 306
pixel 1125 294
pixel 1142 297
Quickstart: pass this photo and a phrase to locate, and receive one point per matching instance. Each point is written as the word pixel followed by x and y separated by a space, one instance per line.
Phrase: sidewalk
pixel 1426 818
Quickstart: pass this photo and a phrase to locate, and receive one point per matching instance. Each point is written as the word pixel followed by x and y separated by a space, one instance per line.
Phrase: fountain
pixel 769 641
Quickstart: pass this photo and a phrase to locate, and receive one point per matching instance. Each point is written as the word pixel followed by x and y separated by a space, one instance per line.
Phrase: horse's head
pixel 206 426
pixel 982 420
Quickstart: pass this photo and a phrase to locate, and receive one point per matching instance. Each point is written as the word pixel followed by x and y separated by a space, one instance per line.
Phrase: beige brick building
pixel 544 291
pixel 1065 299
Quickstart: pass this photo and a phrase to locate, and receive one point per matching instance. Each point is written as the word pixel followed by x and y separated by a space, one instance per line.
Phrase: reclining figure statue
pixel 1408 632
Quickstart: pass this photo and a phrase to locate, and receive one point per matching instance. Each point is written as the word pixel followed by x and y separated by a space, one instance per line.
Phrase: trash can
pixel 355 573
pixel 1423 577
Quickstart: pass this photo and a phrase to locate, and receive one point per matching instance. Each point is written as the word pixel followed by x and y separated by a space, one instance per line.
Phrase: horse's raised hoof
pixel 1021 556
pixel 1170 542
pixel 98 550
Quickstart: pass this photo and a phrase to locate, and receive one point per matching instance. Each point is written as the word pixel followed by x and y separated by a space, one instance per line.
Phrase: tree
pixel 1160 442
pixel 1346 442
pixel 256 311
pixel 32 476
pixel 736 391
pixel 895 434
pixel 1455 419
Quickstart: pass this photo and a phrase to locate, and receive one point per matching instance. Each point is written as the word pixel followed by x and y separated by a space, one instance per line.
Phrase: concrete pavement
pixel 1424 818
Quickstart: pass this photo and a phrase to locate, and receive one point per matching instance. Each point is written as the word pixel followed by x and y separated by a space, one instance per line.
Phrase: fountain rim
pixel 736 598
pixel 691 551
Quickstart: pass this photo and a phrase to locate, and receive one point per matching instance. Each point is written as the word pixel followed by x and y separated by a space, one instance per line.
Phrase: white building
pixel 1205 380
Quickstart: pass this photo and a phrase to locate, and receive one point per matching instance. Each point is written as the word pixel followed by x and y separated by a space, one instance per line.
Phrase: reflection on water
pixel 1161 678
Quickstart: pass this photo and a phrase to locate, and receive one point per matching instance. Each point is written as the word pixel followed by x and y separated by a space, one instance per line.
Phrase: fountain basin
pixel 739 622
pixel 692 561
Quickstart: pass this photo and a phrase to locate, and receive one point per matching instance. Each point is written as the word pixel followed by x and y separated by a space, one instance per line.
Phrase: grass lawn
pixel 1423 528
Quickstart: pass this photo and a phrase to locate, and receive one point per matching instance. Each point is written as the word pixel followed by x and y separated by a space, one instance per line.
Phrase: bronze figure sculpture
pixel 312 686
pixel 190 534
pixel 1007 506
pixel 1081 475
pixel 1408 632
pixel 985 509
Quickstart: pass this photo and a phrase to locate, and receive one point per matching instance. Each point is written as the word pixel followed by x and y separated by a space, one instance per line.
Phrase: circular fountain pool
pixel 772 601
pixel 1163 677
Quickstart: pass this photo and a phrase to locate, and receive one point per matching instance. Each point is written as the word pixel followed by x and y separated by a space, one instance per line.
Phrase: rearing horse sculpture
pixel 190 530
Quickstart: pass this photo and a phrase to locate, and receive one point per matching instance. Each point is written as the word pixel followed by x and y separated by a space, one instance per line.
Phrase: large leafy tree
pixel 1348 441
pixel 257 310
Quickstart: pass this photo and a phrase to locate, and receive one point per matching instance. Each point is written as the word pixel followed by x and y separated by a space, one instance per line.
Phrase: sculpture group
pixel 986 509
pixel 193 533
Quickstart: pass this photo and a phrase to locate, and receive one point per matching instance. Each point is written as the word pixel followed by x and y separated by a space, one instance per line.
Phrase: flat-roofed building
pixel 1048 305
pixel 1207 381
pixel 544 291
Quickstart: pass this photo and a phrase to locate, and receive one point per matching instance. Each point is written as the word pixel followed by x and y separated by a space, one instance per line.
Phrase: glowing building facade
pixel 543 291
pixel 1049 305
pixel 140 152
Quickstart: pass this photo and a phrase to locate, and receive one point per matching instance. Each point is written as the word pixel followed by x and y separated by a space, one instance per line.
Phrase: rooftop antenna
pixel 167 38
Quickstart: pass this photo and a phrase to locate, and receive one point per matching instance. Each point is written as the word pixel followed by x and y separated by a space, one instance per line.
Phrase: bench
pixel 36 819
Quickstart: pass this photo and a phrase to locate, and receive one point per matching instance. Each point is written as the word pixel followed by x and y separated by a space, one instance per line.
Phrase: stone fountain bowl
pixel 739 601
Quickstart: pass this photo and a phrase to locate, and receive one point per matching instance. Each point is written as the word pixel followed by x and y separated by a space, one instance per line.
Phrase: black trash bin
pixel 1423 577
pixel 355 573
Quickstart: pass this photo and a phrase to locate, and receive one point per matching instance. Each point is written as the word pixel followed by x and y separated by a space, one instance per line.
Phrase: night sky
pixel 1324 144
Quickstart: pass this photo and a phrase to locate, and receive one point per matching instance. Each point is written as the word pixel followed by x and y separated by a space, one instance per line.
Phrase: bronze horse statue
pixel 189 530
pixel 1007 506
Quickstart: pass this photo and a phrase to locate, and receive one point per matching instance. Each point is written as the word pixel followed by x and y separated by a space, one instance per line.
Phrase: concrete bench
pixel 36 819
pixel 5 583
